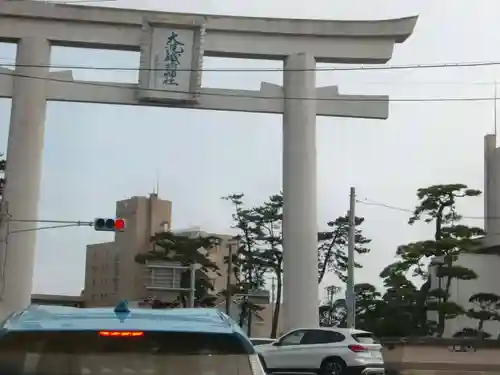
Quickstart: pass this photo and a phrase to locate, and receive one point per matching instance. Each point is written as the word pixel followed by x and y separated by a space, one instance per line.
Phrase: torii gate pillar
pixel 23 172
pixel 300 229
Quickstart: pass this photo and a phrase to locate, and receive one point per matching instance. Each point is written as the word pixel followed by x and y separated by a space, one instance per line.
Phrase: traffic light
pixel 109 225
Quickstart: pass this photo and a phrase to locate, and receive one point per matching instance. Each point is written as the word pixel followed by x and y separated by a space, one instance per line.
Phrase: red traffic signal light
pixel 109 225
pixel 119 225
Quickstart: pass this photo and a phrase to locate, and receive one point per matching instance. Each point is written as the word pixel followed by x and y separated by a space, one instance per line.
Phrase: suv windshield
pixel 365 338
pixel 171 353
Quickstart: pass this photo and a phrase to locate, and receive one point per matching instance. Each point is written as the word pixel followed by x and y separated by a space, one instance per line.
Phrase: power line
pixel 417 83
pixel 369 202
pixel 317 69
pixel 246 96
pixel 377 204
pixel 12 64
pixel 79 1
pixel 70 1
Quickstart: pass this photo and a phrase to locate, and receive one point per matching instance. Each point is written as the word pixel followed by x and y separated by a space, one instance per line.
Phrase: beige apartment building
pixel 111 273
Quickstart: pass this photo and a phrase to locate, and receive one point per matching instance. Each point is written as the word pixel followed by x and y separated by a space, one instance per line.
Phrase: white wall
pixel 487 268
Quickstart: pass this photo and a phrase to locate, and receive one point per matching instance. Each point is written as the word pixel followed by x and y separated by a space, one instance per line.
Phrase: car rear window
pixel 365 338
pixel 111 353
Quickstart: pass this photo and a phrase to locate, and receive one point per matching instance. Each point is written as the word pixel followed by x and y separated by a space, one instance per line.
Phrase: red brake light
pixel 120 334
pixel 357 348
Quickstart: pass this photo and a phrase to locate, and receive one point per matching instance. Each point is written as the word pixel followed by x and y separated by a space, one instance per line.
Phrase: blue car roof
pixel 59 318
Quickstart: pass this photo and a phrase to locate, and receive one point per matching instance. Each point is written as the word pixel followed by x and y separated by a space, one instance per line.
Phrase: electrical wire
pixel 70 1
pixel 247 96
pixel 79 1
pixel 369 202
pixel 471 64
pixel 406 210
pixel 12 64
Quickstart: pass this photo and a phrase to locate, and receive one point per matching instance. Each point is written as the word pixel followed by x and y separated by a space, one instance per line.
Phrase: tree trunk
pixel 250 312
pixel 326 261
pixel 243 312
pixel 185 284
pixel 277 305
pixel 446 297
pixel 480 327
pixel 183 299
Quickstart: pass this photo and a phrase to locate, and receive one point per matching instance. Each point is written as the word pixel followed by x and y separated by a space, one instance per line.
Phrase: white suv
pixel 323 351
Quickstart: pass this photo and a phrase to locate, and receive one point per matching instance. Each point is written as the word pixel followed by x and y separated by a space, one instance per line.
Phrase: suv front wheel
pixel 333 366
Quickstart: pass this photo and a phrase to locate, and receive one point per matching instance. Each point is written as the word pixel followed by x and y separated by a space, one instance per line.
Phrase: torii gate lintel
pixel 63 87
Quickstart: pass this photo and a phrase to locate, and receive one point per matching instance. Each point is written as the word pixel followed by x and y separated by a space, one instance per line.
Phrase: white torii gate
pixel 35 26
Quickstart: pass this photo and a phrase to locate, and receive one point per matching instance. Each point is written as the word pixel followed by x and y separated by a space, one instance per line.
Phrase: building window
pixel 164 277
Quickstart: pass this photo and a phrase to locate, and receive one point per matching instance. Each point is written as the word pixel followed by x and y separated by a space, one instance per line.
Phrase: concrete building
pixel 111 273
pixel 35 26
pixel 58 300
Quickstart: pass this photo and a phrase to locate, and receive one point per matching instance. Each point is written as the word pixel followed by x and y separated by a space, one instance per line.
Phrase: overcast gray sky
pixel 96 154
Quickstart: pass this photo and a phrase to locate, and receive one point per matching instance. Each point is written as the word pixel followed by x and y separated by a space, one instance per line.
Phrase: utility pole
pixel 250 312
pixel 273 295
pixel 350 293
pixel 249 290
pixel 228 278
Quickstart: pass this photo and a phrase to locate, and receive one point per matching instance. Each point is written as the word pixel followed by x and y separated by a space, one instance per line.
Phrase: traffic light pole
pixel 67 224
pixel 89 223
pixel 78 223
pixel 63 224
pixel 11 297
pixel 229 288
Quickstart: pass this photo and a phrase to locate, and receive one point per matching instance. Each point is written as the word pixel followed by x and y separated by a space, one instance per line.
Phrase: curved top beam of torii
pixel 369 42
pixel 102 27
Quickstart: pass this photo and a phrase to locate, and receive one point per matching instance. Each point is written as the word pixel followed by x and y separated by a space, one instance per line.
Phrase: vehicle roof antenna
pixel 122 307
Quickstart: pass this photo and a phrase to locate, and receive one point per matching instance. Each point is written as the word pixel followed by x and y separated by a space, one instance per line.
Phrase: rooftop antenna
pixel 158 180
pixel 156 186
